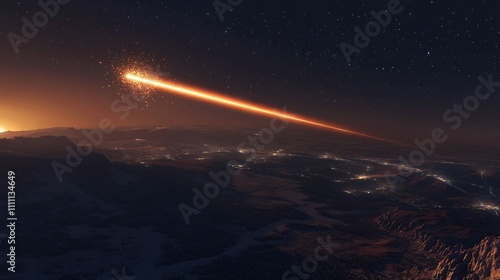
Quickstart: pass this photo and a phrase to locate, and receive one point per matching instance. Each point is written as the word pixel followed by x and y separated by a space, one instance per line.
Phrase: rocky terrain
pixel 118 210
pixel 460 252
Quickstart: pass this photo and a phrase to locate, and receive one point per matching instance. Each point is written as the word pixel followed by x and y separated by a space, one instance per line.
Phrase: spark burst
pixel 142 70
pixel 138 79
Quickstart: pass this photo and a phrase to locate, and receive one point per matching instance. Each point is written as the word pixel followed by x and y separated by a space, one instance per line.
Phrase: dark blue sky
pixel 271 52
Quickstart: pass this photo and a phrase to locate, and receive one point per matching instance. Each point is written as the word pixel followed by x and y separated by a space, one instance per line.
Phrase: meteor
pixel 238 104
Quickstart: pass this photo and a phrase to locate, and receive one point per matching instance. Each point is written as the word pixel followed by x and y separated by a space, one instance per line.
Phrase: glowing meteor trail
pixel 237 104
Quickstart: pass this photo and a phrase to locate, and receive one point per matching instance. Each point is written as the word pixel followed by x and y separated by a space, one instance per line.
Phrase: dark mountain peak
pixel 44 146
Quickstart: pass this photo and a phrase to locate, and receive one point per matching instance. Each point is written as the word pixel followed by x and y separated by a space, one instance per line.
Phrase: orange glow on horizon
pixel 230 102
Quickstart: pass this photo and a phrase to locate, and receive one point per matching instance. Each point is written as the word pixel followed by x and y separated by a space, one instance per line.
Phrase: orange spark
pixel 237 104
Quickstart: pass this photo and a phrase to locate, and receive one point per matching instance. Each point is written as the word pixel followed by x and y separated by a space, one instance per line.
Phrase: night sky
pixel 275 53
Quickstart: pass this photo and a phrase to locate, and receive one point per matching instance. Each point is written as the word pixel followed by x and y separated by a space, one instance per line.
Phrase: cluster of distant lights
pixel 363 177
pixel 353 177
pixel 488 207
pixel 442 179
